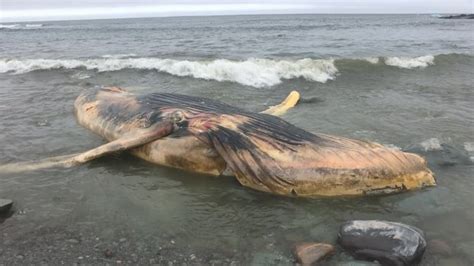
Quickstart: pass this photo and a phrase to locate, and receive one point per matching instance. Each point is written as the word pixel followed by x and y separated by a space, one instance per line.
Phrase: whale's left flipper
pixel 127 142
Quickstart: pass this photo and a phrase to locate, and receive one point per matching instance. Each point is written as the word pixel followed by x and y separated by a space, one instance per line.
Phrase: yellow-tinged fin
pixel 290 102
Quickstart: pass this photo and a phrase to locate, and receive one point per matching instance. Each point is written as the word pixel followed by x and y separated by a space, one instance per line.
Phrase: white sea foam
pixel 372 60
pixel 20 26
pixel 118 56
pixel 432 144
pixel 80 75
pixel 34 25
pixel 252 72
pixel 469 147
pixel 393 147
pixel 410 62
pixel 9 26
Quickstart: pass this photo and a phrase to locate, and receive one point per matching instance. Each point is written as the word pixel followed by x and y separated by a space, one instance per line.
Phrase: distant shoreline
pixel 441 15
pixel 460 16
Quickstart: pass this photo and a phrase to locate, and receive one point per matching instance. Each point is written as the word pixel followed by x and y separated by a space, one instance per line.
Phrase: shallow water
pixel 150 214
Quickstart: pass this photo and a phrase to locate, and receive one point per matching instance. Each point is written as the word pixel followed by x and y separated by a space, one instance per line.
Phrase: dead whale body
pixel 262 151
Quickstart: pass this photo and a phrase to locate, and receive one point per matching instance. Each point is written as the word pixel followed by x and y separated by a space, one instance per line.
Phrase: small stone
pixel 121 240
pixel 42 123
pixel 438 246
pixel 389 243
pixel 5 205
pixel 192 257
pixel 310 253
pixel 172 242
pixel 72 241
pixel 80 257
pixel 108 253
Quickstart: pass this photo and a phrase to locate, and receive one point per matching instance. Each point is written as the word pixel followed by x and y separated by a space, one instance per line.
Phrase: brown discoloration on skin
pixel 166 151
pixel 263 152
pixel 328 167
pixel 199 157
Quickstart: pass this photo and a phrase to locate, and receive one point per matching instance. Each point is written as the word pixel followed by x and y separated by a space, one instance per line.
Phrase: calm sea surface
pixel 402 80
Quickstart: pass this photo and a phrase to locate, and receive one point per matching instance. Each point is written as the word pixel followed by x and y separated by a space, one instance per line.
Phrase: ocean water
pixel 402 80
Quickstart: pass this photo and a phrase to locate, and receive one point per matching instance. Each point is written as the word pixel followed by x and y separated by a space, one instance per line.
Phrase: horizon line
pixel 228 15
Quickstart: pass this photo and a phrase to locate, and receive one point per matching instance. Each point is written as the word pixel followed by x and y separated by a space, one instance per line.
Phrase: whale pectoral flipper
pixel 129 141
pixel 290 101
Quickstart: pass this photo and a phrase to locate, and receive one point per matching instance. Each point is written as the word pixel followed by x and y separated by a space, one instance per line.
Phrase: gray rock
pixel 5 205
pixel 460 16
pixel 311 253
pixel 389 243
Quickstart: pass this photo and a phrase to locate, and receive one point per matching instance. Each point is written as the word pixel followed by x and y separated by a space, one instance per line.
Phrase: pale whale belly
pixel 186 153
pixel 179 150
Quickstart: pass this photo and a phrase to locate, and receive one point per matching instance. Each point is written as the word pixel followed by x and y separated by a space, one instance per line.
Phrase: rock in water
pixel 5 205
pixel 311 253
pixel 389 243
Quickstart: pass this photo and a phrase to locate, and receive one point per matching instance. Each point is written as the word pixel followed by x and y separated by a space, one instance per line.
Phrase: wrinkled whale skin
pixel 264 152
pixel 95 109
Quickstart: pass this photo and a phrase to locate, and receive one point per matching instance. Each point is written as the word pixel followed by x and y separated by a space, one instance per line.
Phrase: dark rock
pixel 389 243
pixel 461 16
pixel 311 253
pixel 108 253
pixel 5 205
pixel 310 100
pixel 441 154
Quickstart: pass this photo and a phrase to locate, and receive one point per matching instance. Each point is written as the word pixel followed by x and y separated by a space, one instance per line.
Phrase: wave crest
pixel 410 62
pixel 20 26
pixel 9 26
pixel 251 72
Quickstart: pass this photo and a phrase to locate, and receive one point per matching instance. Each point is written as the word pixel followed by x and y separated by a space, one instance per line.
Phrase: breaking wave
pixel 251 72
pixel 33 25
pixel 20 26
pixel 118 56
pixel 254 72
pixel 9 26
pixel 410 62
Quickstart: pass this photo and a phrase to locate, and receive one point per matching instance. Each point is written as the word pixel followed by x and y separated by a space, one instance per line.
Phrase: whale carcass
pixel 261 150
